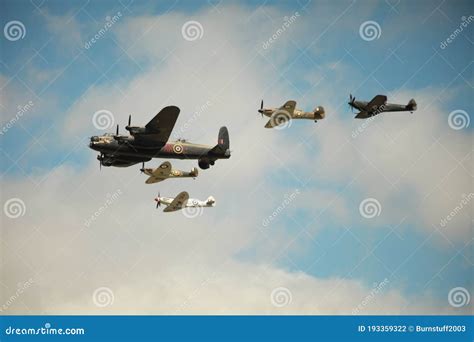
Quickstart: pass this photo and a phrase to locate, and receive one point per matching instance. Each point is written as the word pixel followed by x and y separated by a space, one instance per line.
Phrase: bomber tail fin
pixel 223 142
pixel 223 138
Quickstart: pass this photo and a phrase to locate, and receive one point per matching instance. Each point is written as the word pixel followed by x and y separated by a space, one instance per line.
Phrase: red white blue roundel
pixel 177 148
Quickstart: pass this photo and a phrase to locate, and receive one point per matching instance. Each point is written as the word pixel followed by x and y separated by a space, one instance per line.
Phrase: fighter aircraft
pixel 165 171
pixel 287 112
pixel 151 141
pixel 378 105
pixel 183 201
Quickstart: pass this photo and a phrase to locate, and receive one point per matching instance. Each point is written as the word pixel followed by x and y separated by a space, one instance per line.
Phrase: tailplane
pixel 411 106
pixel 211 201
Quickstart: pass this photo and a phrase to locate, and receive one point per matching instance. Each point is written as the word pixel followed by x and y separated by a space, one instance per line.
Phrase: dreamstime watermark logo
pixel 102 297
pixel 459 296
pixel 370 30
pixel 369 208
pixel 103 119
pixel 14 208
pixel 192 212
pixel 376 289
pixel 281 119
pixel 458 119
pixel 287 22
pixel 286 201
pixel 465 21
pixel 21 111
pixel 196 115
pixel 110 199
pixel 192 30
pixel 14 30
pixel 464 202
pixel 280 297
pixel 109 22
pixel 21 288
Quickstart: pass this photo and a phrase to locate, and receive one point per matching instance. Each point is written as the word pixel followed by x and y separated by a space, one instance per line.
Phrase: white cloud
pixel 166 263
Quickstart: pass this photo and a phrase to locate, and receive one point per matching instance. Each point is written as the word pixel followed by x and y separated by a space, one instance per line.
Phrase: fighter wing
pixel 377 101
pixel 289 106
pixel 362 115
pixel 152 180
pixel 178 203
pixel 161 126
pixel 163 171
pixel 271 123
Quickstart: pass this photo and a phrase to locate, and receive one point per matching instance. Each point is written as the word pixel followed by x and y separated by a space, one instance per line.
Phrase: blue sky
pixel 318 61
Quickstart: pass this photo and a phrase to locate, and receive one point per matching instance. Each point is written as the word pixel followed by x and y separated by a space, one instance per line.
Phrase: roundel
pixel 178 148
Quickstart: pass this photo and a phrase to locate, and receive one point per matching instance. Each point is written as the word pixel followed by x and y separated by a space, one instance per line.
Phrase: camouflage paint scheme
pixel 379 105
pixel 151 141
pixel 288 112
pixel 182 201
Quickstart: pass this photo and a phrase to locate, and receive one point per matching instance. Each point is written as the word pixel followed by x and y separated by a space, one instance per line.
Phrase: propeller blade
pixel 130 119
pixel 117 130
pixel 157 204
pixel 143 167
pixel 261 108
pixel 351 102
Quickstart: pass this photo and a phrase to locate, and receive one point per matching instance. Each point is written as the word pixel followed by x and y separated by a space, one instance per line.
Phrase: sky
pixel 342 216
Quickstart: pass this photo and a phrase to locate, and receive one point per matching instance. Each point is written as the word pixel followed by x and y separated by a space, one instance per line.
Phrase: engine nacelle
pixel 121 139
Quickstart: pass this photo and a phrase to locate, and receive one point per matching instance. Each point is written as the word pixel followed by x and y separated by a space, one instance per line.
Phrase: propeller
pixel 129 120
pixel 143 167
pixel 158 203
pixel 117 132
pixel 261 108
pixel 351 102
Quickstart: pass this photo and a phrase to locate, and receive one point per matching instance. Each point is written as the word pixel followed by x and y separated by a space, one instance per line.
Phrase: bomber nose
pixel 93 140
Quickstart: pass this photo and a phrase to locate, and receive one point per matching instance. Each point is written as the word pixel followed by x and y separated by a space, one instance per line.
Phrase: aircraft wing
pixel 163 171
pixel 153 179
pixel 377 101
pixel 161 126
pixel 289 106
pixel 362 115
pixel 271 123
pixel 178 202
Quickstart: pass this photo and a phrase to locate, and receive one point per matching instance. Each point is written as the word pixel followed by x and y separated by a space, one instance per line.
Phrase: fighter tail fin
pixel 411 106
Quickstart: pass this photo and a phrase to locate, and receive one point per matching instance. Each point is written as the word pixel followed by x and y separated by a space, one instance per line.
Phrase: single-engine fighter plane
pixel 151 141
pixel 165 171
pixel 287 112
pixel 183 201
pixel 379 105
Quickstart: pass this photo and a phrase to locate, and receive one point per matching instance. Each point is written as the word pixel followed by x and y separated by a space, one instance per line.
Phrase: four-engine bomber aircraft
pixel 379 105
pixel 151 141
pixel 183 201
pixel 287 112
pixel 165 171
